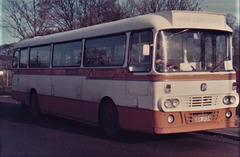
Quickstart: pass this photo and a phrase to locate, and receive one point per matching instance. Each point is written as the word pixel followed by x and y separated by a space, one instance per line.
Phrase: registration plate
pixel 202 119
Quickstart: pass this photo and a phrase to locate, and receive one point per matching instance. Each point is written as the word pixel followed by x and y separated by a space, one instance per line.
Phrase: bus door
pixel 140 61
pixel 15 76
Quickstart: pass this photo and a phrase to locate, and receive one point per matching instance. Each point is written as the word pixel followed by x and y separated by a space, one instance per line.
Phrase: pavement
pixel 232 133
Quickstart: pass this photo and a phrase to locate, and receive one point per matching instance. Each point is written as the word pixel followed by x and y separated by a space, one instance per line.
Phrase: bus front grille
pixel 200 101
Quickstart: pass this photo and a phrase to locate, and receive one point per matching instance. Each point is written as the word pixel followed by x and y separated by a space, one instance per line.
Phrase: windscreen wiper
pixel 220 63
pixel 185 30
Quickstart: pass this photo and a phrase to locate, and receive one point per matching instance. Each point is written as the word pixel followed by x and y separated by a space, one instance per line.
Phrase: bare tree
pixel 150 6
pixel 63 14
pixel 25 19
pixel 231 21
pixel 108 10
pixel 139 7
pixel 235 43
pixel 129 8
pixel 191 5
pixel 92 12
pixel 6 49
pixel 73 14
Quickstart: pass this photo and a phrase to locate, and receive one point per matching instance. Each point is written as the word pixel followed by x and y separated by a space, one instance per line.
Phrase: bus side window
pixel 23 58
pixel 15 59
pixel 40 56
pixel 67 54
pixel 105 51
pixel 139 60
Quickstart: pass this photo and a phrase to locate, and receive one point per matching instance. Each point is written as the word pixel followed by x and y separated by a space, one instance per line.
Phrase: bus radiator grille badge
pixel 203 87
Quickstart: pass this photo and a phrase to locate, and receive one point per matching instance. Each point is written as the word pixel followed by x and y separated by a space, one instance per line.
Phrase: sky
pixel 218 6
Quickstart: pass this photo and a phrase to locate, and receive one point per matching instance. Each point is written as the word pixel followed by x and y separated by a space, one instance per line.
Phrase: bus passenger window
pixel 105 51
pixel 15 59
pixel 67 54
pixel 40 57
pixel 23 58
pixel 140 60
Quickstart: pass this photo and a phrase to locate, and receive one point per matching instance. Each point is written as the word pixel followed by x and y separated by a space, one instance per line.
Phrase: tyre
pixel 34 102
pixel 109 119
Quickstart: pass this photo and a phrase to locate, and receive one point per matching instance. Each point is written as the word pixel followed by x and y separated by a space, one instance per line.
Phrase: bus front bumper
pixel 177 122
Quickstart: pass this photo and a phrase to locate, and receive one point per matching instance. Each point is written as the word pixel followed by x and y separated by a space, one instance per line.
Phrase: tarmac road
pixel 22 135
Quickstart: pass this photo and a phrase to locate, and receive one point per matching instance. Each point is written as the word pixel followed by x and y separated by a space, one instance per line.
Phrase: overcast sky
pixel 223 6
pixel 218 6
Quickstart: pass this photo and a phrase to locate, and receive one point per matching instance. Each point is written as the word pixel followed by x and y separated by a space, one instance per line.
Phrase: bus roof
pixel 158 21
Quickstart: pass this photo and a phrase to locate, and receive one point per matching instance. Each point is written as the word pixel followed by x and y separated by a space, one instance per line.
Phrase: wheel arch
pixel 34 102
pixel 32 90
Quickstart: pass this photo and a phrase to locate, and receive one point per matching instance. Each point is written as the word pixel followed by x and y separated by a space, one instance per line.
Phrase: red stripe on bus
pixel 108 73
pixel 123 74
pixel 79 110
pixel 87 112
pixel 156 121
pixel 136 119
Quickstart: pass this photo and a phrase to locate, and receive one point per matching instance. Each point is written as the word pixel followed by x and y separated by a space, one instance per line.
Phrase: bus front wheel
pixel 34 102
pixel 109 119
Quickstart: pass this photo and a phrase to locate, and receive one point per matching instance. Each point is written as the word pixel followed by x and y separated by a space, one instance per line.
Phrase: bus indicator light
pixel 234 86
pixel 168 88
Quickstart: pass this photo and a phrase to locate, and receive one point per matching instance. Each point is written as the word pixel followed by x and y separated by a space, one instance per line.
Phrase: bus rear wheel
pixel 34 103
pixel 109 119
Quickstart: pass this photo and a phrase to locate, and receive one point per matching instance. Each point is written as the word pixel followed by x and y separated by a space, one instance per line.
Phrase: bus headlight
pixel 232 100
pixel 228 100
pixel 168 104
pixel 171 103
pixel 175 103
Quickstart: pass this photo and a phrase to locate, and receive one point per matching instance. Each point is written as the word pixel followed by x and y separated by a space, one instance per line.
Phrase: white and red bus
pixel 158 73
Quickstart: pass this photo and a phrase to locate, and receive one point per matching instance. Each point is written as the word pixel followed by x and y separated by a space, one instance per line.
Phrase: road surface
pixel 23 135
